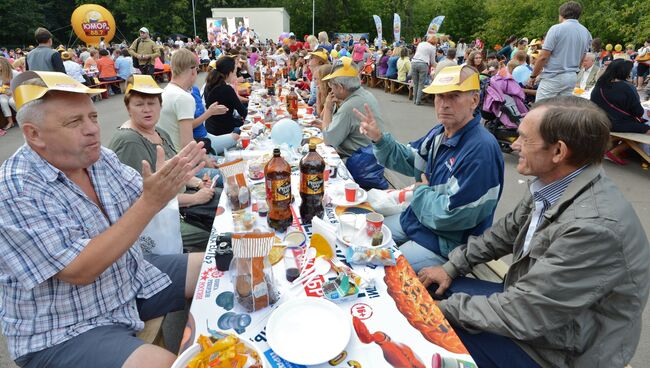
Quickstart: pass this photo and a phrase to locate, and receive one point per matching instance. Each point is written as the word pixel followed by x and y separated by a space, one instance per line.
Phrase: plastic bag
pixel 365 170
pixel 390 202
pixel 252 272
pixel 163 233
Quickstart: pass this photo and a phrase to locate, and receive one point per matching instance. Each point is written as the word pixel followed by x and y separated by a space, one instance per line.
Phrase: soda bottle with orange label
pixel 278 192
pixel 312 185
pixel 292 103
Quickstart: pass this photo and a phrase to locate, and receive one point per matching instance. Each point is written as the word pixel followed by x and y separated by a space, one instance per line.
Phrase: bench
pixel 162 76
pixel 367 79
pixel 381 82
pixel 153 332
pixel 633 140
pixel 106 85
pixel 396 86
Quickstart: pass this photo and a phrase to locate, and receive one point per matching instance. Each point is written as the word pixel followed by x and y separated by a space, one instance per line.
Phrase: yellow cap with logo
pixel 448 80
pixel 320 53
pixel 143 83
pixel 53 81
pixel 348 70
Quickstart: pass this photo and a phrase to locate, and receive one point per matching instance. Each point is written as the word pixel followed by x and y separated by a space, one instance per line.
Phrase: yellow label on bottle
pixel 281 189
pixel 311 184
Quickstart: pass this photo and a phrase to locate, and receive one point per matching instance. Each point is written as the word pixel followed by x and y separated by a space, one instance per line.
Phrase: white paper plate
pixel 337 195
pixel 192 351
pixel 308 331
pixel 361 239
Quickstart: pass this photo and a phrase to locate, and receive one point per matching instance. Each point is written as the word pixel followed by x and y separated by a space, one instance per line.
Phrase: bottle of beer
pixel 257 75
pixel 312 186
pixel 278 192
pixel 292 103
pixel 269 82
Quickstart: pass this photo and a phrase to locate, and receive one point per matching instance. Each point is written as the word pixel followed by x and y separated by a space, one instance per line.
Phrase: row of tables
pixel 379 306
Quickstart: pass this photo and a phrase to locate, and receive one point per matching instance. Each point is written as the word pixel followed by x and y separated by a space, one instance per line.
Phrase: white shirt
pixel 177 105
pixel 204 55
pixel 585 77
pixel 425 53
pixel 74 70
pixel 180 43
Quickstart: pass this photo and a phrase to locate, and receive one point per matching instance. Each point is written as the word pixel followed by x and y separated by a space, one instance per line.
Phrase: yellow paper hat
pixel 54 81
pixel 213 64
pixel 320 53
pixel 448 80
pixel 144 84
pixel 348 70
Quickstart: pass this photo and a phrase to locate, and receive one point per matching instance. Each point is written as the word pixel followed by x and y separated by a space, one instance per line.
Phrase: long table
pixel 383 306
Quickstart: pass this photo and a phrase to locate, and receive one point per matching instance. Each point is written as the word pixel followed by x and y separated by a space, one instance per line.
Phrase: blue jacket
pixel 465 183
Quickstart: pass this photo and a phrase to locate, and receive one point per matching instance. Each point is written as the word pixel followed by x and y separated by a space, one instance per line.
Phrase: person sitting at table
pixel 315 60
pixel 580 275
pixel 588 74
pixel 391 72
pixel 340 126
pixel 177 113
pixel 138 138
pixel 90 65
pixel 620 100
pixel 218 89
pixel 74 282
pixel 459 166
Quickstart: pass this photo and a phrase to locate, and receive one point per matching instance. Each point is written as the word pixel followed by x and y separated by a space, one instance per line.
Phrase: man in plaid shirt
pixel 74 284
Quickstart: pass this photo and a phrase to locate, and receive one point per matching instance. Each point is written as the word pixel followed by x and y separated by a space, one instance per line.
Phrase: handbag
pixel 163 233
pixel 202 215
pixel 136 62
pixel 638 119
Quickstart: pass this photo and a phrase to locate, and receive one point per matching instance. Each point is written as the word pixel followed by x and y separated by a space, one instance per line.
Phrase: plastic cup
pixel 347 226
pixel 326 174
pixel 351 190
pixel 310 111
pixel 257 119
pixel 374 222
pixel 245 141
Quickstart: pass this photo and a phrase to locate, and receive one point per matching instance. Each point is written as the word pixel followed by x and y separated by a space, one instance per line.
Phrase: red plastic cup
pixel 326 174
pixel 257 119
pixel 310 111
pixel 245 141
pixel 374 222
pixel 351 190
pixel 267 124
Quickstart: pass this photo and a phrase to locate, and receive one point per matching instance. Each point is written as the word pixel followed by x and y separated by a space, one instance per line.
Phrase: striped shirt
pixel 544 197
pixel 46 222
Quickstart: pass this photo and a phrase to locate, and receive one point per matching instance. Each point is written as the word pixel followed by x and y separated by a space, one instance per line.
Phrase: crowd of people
pixel 78 276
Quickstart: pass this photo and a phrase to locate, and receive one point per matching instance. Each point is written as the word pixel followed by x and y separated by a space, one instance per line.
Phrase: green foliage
pixel 621 21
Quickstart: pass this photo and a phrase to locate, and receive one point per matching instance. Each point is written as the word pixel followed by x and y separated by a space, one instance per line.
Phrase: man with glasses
pixel 580 274
pixel 340 126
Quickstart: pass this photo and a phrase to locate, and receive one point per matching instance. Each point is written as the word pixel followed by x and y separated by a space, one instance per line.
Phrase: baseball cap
pixel 346 71
pixel 144 84
pixel 54 81
pixel 144 29
pixel 448 80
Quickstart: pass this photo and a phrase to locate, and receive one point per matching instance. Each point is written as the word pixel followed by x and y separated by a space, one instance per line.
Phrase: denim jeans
pixel 487 349
pixel 418 256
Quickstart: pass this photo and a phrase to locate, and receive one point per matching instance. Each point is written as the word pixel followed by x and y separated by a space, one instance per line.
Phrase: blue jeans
pixel 487 349
pixel 418 256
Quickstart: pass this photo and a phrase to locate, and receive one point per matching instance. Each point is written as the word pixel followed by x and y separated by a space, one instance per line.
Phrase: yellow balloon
pixel 90 22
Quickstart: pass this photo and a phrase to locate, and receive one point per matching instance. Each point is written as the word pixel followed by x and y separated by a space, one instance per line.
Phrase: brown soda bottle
pixel 292 103
pixel 278 192
pixel 269 81
pixel 257 75
pixel 312 185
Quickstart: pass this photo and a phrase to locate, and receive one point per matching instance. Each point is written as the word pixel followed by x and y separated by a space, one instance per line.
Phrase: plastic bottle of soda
pixel 312 186
pixel 269 81
pixel 278 192
pixel 292 103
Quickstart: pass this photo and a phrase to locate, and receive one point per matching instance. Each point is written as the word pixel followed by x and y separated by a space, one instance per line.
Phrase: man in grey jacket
pixel 580 275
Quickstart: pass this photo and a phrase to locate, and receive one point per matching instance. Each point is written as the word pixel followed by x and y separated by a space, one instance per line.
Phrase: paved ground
pixel 407 122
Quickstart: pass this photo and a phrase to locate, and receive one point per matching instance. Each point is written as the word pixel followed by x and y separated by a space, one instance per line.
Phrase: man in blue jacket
pixel 459 165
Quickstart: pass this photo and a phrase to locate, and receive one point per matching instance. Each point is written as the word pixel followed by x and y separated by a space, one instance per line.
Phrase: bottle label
pixel 293 104
pixel 281 190
pixel 312 184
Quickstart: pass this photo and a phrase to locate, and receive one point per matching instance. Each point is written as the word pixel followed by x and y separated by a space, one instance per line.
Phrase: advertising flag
pixel 435 24
pixel 378 25
pixel 397 26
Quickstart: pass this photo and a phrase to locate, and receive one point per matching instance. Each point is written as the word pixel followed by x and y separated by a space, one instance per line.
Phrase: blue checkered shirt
pixel 45 222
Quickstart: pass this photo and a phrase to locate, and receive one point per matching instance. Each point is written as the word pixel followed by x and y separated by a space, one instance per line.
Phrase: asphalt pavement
pixel 406 122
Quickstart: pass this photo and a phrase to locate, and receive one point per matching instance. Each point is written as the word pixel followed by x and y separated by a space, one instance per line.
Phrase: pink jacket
pixel 495 98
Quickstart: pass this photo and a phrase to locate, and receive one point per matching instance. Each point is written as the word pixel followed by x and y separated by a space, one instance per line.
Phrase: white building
pixel 267 22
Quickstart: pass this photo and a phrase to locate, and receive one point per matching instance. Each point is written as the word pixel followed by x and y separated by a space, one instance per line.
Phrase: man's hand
pixel 424 181
pixel 435 275
pixel 531 82
pixel 317 123
pixel 369 126
pixel 163 185
pixel 204 195
pixel 330 101
pixel 217 109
